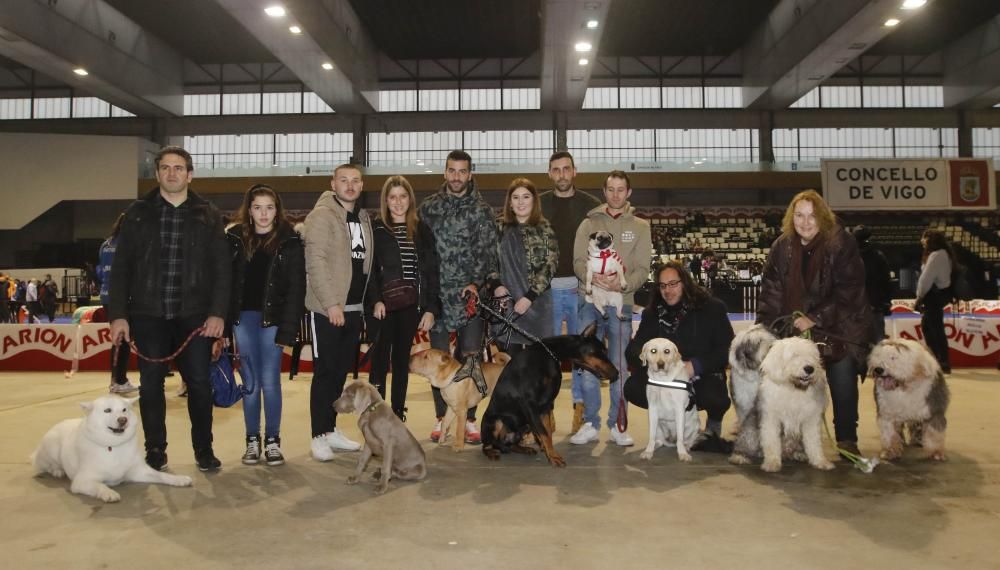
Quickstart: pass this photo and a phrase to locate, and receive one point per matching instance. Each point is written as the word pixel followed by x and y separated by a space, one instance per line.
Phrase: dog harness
pixel 687 386
pixel 604 255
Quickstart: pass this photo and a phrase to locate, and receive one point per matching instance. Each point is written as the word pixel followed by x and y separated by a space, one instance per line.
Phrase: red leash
pixel 621 421
pixel 187 341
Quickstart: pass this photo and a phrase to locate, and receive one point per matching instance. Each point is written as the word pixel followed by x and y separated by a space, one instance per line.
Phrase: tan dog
pixel 385 436
pixel 440 368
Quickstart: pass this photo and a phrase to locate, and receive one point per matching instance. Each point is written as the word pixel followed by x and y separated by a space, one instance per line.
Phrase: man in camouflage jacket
pixel 465 238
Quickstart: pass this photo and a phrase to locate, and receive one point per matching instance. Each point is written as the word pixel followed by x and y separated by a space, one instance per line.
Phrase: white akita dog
pixel 99 450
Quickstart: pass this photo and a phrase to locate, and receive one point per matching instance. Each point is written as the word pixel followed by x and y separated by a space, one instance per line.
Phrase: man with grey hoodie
pixel 338 238
pixel 633 242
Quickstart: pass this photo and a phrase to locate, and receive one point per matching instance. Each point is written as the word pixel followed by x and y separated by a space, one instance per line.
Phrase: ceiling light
pixel 591 24
pixel 295 30
pixel 584 61
pixel 913 4
pixel 891 22
pixel 81 72
pixel 275 11
pixel 583 46
pixel 428 171
pixel 328 66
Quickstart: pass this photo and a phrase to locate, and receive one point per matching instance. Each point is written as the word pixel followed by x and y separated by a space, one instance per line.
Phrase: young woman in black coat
pixel 404 258
pixel 266 305
pixel 687 314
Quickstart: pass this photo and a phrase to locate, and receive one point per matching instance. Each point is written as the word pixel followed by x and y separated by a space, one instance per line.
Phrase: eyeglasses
pixel 670 284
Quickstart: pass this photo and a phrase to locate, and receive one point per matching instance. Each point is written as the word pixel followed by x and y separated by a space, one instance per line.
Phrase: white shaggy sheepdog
pixel 673 418
pixel 745 356
pixel 791 402
pixel 909 390
pixel 99 450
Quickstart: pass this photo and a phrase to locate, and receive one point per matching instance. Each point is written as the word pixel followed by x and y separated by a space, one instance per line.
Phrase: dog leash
pixel 479 306
pixel 135 349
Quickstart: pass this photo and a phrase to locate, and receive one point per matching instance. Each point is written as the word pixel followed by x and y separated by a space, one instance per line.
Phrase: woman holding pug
pixel 266 305
pixel 528 255
pixel 687 314
pixel 404 287
pixel 814 283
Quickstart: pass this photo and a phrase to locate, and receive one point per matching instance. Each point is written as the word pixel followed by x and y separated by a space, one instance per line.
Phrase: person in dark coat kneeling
pixel 687 314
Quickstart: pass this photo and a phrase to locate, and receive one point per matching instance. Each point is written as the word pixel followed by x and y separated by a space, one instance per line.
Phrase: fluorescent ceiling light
pixel 81 72
pixel 583 46
pixel 891 22
pixel 591 24
pixel 295 30
pixel 275 11
pixel 328 66
pixel 913 4
pixel 584 61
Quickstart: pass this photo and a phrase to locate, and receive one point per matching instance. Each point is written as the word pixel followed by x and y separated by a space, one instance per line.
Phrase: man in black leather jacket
pixel 170 276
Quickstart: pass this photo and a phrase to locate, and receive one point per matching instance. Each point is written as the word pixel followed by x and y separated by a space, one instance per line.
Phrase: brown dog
pixel 440 368
pixel 385 436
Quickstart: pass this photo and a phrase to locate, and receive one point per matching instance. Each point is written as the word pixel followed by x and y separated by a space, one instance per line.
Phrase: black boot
pixel 400 413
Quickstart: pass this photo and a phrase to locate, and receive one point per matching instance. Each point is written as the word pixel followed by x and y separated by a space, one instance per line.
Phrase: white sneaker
pixel 621 438
pixel 125 388
pixel 587 434
pixel 320 449
pixel 337 440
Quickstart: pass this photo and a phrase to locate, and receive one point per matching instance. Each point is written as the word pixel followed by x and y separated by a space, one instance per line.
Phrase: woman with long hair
pixel 405 287
pixel 527 255
pixel 689 316
pixel 814 280
pixel 267 302
pixel 934 292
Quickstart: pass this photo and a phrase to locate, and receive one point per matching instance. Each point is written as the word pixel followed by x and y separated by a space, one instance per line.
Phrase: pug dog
pixel 604 260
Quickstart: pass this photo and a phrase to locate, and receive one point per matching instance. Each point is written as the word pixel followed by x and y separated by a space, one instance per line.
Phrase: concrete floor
pixel 607 509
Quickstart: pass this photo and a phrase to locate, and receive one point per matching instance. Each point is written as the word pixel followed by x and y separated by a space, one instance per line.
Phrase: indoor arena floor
pixel 606 509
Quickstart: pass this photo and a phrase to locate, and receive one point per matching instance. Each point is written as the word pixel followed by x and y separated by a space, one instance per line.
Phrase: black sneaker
pixel 712 443
pixel 206 460
pixel 252 455
pixel 400 413
pixel 272 451
pixel 156 458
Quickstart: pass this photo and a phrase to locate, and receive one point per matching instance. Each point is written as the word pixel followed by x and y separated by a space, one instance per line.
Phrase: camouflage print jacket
pixel 542 250
pixel 465 240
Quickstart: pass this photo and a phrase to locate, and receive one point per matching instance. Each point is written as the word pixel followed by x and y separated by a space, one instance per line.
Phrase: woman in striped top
pixel 404 250
pixel 934 292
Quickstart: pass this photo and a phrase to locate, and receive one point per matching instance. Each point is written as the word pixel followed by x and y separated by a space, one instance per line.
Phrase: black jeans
pixel 842 376
pixel 157 337
pixel 334 349
pixel 119 368
pixel 470 341
pixel 932 324
pixel 710 393
pixel 395 340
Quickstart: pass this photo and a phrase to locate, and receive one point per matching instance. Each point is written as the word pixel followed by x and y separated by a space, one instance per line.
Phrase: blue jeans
pixel 260 367
pixel 566 306
pixel 617 333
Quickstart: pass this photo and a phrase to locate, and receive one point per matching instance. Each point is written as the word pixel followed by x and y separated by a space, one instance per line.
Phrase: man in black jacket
pixel 878 281
pixel 170 276
pixel 698 324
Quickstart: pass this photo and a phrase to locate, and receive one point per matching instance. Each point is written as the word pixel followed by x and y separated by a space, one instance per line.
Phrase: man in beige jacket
pixel 633 243
pixel 338 237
